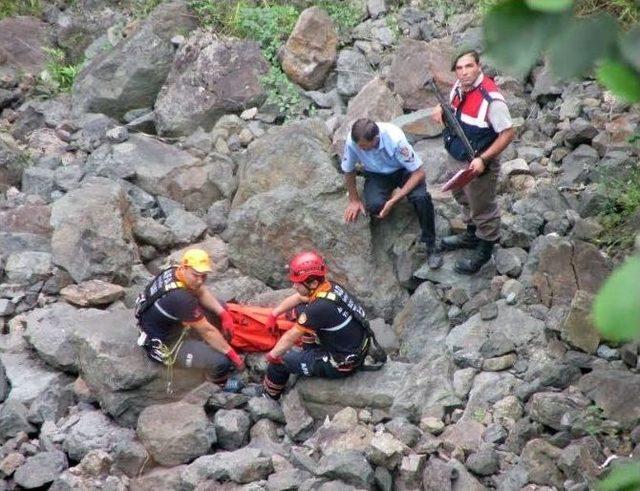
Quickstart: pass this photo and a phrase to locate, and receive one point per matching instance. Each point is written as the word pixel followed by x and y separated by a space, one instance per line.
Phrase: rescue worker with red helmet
pixel 330 314
pixel 174 303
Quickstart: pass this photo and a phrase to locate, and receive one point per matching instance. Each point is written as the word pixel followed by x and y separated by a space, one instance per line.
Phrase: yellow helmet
pixel 198 260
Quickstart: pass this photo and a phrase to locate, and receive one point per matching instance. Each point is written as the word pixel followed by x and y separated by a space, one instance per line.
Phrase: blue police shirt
pixel 392 153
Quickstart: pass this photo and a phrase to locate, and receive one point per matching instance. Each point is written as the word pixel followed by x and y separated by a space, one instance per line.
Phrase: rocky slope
pixel 497 381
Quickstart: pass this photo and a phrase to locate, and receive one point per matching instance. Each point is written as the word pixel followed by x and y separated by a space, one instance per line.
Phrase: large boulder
pixel 354 72
pixel 240 466
pixel 210 77
pixel 164 170
pixel 41 469
pixel 296 155
pixel 417 62
pixel 422 325
pixel 29 377
pixel 130 76
pixel 175 433
pixel 375 101
pixel 559 267
pixel 616 392
pixel 117 371
pixel 93 234
pixel 22 43
pixel 310 51
pixel 266 230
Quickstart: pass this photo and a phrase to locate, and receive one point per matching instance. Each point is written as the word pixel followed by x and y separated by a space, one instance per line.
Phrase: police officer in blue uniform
pixel 392 171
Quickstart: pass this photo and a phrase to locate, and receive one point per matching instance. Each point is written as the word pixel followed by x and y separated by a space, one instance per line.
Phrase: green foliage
pixel 142 8
pixel 282 92
pixel 616 309
pixel 57 74
pixel 578 41
pixel 622 204
pixel 270 26
pixel 345 15
pixel 622 478
pixel 593 422
pixel 217 15
pixel 11 8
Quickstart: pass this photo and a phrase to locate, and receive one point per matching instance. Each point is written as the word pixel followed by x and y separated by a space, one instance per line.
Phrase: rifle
pixel 452 123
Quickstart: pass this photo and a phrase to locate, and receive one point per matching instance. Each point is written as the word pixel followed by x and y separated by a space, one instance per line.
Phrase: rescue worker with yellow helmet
pixel 172 304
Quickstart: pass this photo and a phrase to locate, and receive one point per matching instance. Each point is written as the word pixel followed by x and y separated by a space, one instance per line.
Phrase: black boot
pixel 475 259
pixel 465 240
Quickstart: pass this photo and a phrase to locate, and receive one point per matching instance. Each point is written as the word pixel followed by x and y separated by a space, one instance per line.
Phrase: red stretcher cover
pixel 250 333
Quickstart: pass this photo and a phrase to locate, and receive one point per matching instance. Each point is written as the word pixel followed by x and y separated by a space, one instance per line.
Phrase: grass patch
pixel 58 75
pixel 620 211
pixel 11 8
pixel 142 8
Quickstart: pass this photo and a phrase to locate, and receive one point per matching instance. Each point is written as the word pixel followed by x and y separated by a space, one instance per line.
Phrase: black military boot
pixel 465 240
pixel 475 259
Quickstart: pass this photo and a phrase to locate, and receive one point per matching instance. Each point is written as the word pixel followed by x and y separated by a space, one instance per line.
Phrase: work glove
pixel 235 359
pixel 272 324
pixel 275 360
pixel 227 320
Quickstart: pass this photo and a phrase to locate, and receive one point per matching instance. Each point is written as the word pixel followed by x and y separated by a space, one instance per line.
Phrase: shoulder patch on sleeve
pixel 302 319
pixel 406 152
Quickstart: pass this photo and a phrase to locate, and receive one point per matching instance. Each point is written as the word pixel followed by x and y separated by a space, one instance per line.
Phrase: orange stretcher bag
pixel 250 333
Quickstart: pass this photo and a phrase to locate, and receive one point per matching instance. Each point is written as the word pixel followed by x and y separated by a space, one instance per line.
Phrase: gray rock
pixel 385 450
pixel 119 134
pixel 499 363
pixel 92 430
pixel 158 478
pixel 580 132
pixel 217 216
pixel 484 462
pixel 41 469
pixel 376 8
pixel 241 466
pixel 509 261
pixel 130 457
pixel 130 75
pixel 463 381
pixel 354 72
pixel 49 332
pixel 261 407
pixel 232 428
pixel 6 307
pixel 615 392
pixel 540 459
pixel 28 267
pixel 29 377
pixel 23 40
pixel 38 181
pixel 92 232
pixel 520 230
pixel 175 433
pixel 68 177
pixel 556 409
pixel 185 227
pixel 404 431
pixel 299 423
pixel 287 479
pixel 438 476
pixel 227 72
pixel 13 419
pixel 489 311
pixel 576 166
pixel 423 309
pixel 385 335
pixel 51 404
pixel 351 467
pixel 578 328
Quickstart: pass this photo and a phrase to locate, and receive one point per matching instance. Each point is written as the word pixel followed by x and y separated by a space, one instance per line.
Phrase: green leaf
pixel 582 43
pixel 621 79
pixel 616 308
pixel 515 35
pixel 629 44
pixel 622 478
pixel 549 5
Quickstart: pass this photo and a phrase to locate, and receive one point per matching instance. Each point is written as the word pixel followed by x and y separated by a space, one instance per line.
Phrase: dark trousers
pixel 312 361
pixel 378 189
pixel 198 354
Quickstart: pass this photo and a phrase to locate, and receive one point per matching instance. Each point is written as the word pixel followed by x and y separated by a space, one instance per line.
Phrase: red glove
pixel 271 324
pixel 275 360
pixel 227 320
pixel 235 359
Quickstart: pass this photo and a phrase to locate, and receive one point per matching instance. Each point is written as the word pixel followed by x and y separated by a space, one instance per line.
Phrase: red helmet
pixel 307 265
